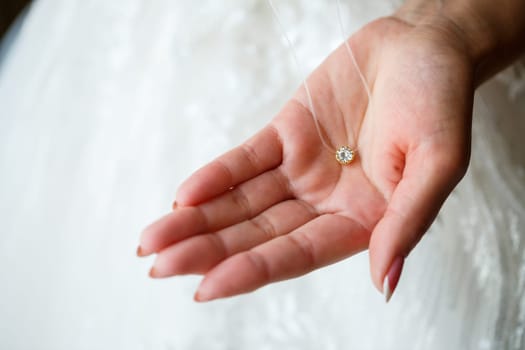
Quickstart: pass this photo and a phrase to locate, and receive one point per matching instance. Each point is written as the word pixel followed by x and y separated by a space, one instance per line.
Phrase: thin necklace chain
pixel 299 67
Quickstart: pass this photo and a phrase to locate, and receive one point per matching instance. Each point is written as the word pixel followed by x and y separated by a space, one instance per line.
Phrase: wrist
pixel 489 35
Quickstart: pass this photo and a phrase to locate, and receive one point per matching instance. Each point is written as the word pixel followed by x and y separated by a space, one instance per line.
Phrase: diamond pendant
pixel 345 155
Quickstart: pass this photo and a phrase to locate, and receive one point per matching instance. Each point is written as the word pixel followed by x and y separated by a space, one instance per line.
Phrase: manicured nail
pixel 200 297
pixel 174 205
pixel 141 253
pixel 197 296
pixel 392 277
pixel 153 273
pixel 204 294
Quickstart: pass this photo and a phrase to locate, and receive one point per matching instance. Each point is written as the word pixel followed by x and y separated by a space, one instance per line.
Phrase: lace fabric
pixel 106 106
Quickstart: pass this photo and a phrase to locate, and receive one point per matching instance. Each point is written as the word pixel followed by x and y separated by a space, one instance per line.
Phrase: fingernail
pixel 141 253
pixel 392 277
pixel 153 273
pixel 203 294
pixel 197 296
pixel 174 205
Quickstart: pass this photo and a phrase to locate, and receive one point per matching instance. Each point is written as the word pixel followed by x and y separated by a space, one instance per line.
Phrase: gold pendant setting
pixel 345 155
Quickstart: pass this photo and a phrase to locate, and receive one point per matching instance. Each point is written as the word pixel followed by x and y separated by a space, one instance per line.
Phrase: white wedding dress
pixel 106 106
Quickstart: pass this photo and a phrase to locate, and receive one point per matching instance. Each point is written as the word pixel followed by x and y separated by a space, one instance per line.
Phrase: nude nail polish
pixel 153 273
pixel 205 292
pixel 139 251
pixel 202 296
pixel 392 277
pixel 197 296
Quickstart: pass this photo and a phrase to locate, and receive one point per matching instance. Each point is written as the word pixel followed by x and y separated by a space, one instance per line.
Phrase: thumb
pixel 428 178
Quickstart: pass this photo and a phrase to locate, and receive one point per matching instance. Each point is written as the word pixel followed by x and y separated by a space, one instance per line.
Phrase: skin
pixel 279 205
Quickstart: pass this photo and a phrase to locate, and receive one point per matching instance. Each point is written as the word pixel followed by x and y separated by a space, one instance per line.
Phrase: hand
pixel 280 206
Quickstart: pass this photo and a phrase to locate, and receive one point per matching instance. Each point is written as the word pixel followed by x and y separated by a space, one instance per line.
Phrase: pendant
pixel 345 155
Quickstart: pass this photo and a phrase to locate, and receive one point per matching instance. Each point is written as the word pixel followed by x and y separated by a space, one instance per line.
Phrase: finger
pixel 428 178
pixel 200 253
pixel 257 155
pixel 174 226
pixel 236 205
pixel 246 200
pixel 323 241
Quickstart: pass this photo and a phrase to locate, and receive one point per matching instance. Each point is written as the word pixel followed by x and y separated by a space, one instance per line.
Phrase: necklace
pixel 343 154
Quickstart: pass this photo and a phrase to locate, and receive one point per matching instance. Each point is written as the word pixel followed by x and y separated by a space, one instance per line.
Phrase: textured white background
pixel 106 106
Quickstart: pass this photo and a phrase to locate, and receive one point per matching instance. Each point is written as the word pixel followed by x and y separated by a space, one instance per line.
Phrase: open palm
pixel 280 205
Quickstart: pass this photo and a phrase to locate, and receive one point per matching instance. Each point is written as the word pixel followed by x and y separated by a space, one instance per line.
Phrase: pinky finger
pixel 321 242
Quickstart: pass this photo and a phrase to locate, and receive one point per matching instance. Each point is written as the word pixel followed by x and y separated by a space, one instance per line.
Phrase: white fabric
pixel 106 106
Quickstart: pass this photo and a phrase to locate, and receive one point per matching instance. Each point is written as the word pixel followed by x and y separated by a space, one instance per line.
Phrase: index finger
pixel 260 153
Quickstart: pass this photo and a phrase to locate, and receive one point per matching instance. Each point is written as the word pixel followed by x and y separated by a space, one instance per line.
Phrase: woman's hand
pixel 280 205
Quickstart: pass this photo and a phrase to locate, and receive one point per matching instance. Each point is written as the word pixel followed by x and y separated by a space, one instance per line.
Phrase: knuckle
pixel 242 202
pixel 259 265
pixel 306 247
pixel 264 224
pixel 250 155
